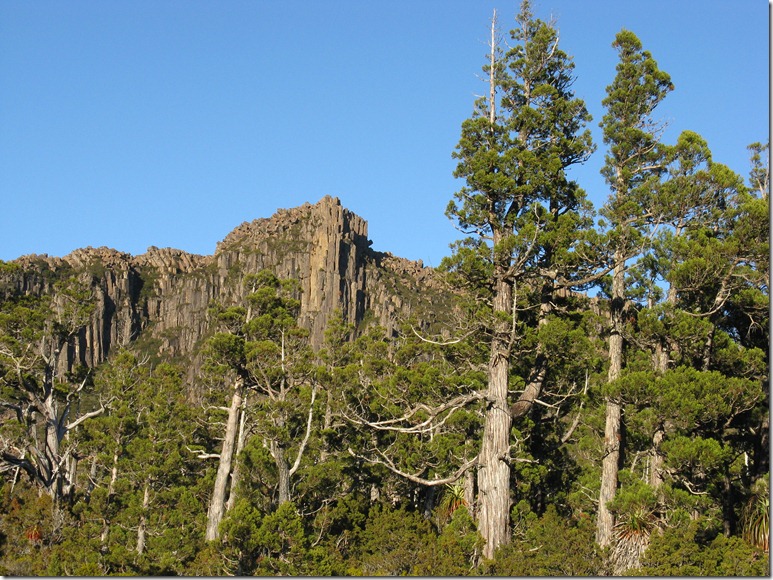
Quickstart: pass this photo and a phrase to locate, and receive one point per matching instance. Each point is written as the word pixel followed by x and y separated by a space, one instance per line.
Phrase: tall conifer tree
pixel 634 163
pixel 513 154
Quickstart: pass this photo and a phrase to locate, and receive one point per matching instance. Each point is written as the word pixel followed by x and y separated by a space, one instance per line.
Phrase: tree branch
pixel 385 461
pixel 85 417
pixel 302 448
pixel 200 454
pixel 691 490
pixel 443 343
pixel 427 425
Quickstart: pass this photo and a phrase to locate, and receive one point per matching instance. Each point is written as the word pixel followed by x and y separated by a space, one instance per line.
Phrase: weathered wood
pixel 217 502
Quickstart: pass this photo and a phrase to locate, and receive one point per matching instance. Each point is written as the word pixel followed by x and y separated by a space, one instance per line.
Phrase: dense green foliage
pixel 361 458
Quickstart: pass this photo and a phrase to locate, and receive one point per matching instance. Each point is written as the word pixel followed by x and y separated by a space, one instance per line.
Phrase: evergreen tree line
pixel 597 402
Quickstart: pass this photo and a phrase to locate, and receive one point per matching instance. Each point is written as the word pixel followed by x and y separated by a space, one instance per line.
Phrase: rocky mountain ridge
pixel 161 297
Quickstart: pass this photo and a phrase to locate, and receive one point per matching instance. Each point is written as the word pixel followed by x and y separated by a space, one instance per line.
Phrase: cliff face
pixel 159 299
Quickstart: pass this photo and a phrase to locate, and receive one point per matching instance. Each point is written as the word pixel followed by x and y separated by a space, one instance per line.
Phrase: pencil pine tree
pixel 513 154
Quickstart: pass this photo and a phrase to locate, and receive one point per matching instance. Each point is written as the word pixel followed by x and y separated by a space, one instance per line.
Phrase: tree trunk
pixel 429 501
pixel 537 375
pixel 612 434
pixel 283 471
pixel 92 478
pixel 708 347
pixel 728 507
pixel 70 477
pixel 143 519
pixel 217 503
pixel 469 491
pixel 324 452
pixel 532 390
pixel 609 470
pixel 494 467
pixel 656 460
pixel 51 452
pixel 111 489
pixel 114 469
pixel 660 357
pixel 661 361
pixel 236 474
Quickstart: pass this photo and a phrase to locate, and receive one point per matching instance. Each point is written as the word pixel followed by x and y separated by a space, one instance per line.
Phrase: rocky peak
pixel 159 300
pixel 171 261
pixel 327 214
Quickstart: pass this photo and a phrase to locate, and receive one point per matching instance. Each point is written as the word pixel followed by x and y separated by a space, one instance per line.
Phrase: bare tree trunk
pixel 469 491
pixel 728 507
pixel 609 471
pixel 283 471
pixel 92 478
pixel 532 390
pixel 612 434
pixel 492 98
pixel 113 471
pixel 324 453
pixel 656 462
pixel 660 357
pixel 494 467
pixel 217 503
pixel 105 533
pixel 57 472
pixel 111 489
pixel 52 446
pixel 236 474
pixel 538 373
pixel 707 349
pixel 143 519
pixel 70 476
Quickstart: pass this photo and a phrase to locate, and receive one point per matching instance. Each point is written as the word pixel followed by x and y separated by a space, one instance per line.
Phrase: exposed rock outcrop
pixel 159 300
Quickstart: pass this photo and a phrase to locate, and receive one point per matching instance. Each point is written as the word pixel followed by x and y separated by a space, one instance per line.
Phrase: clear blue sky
pixel 169 122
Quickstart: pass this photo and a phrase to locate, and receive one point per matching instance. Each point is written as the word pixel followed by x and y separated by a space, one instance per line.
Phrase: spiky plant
pixel 756 516
pixel 453 498
pixel 632 537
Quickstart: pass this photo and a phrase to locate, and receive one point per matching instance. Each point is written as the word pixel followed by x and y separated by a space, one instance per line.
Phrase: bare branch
pixel 427 425
pixel 691 490
pixel 201 454
pixel 492 72
pixel 302 448
pixel 516 267
pixel 573 426
pixel 79 388
pixel 442 343
pixel 386 462
pixel 85 417
pixel 576 421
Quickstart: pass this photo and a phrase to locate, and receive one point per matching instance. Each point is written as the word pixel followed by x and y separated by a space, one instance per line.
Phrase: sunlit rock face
pixel 157 302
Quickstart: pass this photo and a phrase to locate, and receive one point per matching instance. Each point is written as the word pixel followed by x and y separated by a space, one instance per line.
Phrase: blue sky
pixel 168 122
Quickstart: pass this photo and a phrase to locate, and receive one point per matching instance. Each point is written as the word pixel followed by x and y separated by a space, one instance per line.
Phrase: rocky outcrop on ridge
pixel 159 299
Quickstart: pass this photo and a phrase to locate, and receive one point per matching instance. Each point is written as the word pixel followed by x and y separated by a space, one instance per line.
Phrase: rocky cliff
pixel 158 301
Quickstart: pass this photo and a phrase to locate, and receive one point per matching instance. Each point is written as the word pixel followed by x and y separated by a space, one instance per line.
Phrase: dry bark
pixel 493 463
pixel 217 502
pixel 612 434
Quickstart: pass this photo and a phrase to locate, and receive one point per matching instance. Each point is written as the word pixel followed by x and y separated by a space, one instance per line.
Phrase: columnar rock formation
pixel 159 300
pixel 324 246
